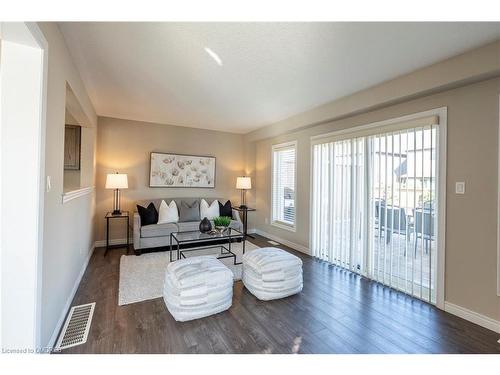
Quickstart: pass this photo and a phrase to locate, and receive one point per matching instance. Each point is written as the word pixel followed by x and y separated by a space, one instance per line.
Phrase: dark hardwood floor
pixel 337 312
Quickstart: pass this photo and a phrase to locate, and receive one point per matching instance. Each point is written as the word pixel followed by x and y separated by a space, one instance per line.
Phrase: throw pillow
pixel 190 212
pixel 168 213
pixel 209 211
pixel 225 209
pixel 148 215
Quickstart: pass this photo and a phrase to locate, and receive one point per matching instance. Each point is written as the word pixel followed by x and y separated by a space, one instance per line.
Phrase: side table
pixel 245 211
pixel 109 216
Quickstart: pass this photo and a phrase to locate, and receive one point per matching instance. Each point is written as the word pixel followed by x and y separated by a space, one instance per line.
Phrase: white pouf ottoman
pixel 197 287
pixel 271 273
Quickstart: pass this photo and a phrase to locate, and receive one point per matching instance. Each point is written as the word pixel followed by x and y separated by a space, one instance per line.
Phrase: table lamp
pixel 243 183
pixel 116 181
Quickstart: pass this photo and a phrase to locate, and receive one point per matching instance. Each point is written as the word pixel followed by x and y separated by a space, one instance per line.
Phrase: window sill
pixel 279 224
pixel 70 195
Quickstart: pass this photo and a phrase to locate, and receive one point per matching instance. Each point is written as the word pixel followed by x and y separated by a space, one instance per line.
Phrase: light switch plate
pixel 460 187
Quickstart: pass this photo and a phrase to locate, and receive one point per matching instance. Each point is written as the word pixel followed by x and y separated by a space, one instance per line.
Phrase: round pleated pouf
pixel 197 287
pixel 271 273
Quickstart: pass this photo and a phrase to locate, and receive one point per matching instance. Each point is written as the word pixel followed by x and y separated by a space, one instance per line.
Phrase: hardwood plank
pixel 337 312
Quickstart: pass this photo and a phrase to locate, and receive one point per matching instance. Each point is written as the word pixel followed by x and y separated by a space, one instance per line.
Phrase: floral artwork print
pixel 172 170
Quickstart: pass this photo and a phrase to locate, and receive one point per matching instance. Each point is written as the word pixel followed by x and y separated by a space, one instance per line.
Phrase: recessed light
pixel 213 55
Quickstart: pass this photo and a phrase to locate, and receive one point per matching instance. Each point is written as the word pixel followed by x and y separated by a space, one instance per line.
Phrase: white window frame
pixel 442 113
pixel 277 223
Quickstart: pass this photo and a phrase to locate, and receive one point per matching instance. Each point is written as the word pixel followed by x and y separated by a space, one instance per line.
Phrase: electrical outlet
pixel 48 186
pixel 266 220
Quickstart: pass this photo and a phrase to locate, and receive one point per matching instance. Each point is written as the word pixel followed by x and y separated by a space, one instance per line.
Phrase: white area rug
pixel 141 277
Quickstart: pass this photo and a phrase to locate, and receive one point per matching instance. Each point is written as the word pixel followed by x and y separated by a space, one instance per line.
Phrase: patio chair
pixel 396 221
pixel 424 228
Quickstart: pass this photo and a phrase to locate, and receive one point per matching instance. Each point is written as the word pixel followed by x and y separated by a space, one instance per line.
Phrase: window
pixel 283 185
pixel 375 204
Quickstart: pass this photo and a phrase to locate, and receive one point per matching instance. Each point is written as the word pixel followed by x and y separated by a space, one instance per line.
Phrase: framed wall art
pixel 177 170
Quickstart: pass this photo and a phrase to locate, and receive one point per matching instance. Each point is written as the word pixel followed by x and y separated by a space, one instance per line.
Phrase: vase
pixel 220 229
pixel 205 225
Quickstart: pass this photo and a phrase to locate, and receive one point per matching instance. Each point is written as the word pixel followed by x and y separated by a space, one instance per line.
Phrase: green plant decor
pixel 222 221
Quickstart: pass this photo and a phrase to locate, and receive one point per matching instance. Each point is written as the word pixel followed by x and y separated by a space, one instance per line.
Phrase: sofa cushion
pixel 189 226
pixel 195 225
pixel 158 230
pixel 148 215
pixel 189 211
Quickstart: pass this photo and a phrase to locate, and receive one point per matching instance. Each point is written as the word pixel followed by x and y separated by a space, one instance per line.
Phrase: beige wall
pixel 125 146
pixel 67 228
pixel 478 64
pixel 471 226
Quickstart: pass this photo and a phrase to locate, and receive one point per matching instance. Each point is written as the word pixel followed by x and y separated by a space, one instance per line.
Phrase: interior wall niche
pixel 78 145
pixel 72 152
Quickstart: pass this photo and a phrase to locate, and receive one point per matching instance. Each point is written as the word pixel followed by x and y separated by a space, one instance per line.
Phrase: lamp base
pixel 116 203
pixel 243 203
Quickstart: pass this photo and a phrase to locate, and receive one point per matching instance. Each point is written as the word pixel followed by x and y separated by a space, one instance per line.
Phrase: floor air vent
pixel 77 326
pixel 273 243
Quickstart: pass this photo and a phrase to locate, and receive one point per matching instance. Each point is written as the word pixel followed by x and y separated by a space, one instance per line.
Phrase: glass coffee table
pixel 223 250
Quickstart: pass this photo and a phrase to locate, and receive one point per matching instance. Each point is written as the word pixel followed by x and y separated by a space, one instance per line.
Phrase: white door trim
pixel 29 35
pixel 44 46
pixel 498 204
pixel 441 178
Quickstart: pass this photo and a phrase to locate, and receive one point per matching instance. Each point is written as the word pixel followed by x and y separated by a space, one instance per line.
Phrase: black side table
pixel 122 215
pixel 245 211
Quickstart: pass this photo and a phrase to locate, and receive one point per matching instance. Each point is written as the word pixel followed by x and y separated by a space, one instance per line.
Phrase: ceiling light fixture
pixel 213 55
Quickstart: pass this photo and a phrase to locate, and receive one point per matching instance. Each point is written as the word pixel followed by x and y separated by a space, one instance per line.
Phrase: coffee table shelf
pixel 178 239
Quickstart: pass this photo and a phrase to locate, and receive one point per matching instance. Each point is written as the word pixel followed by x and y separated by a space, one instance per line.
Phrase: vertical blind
pixel 374 207
pixel 338 200
pixel 283 184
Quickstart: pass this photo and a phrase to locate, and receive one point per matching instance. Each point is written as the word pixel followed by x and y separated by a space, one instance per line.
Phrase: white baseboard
pixel 65 310
pixel 116 241
pixel 472 316
pixel 293 245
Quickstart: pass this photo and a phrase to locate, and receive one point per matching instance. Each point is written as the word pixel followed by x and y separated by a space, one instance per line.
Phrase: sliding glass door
pixel 374 205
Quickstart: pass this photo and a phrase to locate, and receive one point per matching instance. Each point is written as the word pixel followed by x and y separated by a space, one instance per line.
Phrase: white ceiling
pixel 160 72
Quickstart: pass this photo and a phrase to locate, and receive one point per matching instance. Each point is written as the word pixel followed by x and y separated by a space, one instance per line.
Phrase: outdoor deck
pixel 401 260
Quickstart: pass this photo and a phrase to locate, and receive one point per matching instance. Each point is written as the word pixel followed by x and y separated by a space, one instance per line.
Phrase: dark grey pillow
pixel 189 212
pixel 225 209
pixel 149 215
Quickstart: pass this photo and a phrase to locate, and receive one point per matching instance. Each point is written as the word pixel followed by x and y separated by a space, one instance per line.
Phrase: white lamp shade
pixel 116 181
pixel 244 183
